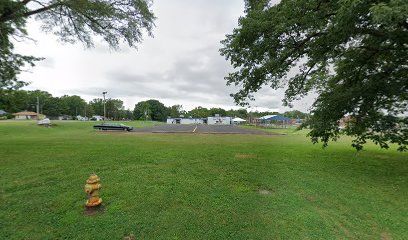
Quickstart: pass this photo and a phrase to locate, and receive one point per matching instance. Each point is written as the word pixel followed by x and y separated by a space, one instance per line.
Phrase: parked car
pixel 113 126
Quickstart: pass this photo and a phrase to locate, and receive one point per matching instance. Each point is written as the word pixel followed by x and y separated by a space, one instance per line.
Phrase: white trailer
pixel 191 121
pixel 185 121
pixel 219 120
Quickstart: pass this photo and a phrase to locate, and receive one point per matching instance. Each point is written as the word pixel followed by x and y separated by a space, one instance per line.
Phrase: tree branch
pixel 24 2
pixel 39 10
pixel 12 15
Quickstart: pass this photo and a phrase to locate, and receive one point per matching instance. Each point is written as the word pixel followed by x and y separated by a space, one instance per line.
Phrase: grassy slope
pixel 196 186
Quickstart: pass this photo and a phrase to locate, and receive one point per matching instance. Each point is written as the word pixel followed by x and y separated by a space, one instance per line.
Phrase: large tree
pixel 97 106
pixel 353 54
pixel 150 109
pixel 295 114
pixel 199 112
pixel 72 20
pixel 20 100
pixel 219 111
pixel 175 110
pixel 72 105
pixel 114 108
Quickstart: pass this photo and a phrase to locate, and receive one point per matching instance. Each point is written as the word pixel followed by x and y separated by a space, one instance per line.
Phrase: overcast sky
pixel 180 65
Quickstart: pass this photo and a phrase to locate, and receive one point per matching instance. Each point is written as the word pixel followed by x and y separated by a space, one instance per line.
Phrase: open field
pixel 185 186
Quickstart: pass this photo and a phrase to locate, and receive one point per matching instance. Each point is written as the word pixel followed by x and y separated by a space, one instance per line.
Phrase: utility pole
pixel 38 105
pixel 104 106
pixel 250 115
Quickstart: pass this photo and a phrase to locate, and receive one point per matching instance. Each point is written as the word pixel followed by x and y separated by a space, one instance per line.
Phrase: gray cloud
pixel 197 75
pixel 48 62
pixel 181 64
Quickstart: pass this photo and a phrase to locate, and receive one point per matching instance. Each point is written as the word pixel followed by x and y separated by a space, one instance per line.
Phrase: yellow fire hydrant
pixel 92 186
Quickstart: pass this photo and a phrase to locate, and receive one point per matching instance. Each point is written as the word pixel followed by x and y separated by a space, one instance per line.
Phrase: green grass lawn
pixel 185 186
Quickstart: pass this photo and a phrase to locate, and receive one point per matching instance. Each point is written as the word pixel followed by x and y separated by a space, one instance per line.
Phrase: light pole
pixel 104 107
pixel 38 105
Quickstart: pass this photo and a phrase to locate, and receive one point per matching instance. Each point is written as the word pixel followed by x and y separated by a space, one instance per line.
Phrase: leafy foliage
pixel 11 63
pixel 175 111
pixel 71 20
pixel 353 54
pixel 20 100
pixel 242 113
pixel 220 111
pixel 295 114
pixel 72 105
pixel 97 106
pixel 114 109
pixel 199 112
pixel 151 109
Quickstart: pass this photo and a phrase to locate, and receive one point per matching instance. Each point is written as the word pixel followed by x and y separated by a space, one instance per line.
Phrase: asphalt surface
pixel 199 128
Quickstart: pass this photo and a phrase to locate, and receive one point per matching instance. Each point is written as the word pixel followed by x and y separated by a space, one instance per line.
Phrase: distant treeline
pixel 13 101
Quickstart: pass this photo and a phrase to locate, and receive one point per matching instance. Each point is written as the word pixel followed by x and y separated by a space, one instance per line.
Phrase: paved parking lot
pixel 200 128
pixel 167 128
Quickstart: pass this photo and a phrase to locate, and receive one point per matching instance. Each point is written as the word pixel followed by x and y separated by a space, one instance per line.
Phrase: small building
pixel 28 116
pixel 185 121
pixel 217 120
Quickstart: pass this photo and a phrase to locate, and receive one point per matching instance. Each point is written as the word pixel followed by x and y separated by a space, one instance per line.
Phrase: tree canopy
pixel 295 114
pixel 175 111
pixel 353 54
pixel 71 20
pixel 13 101
pixel 151 110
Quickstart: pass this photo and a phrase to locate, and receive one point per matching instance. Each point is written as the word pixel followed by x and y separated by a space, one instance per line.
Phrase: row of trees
pixel 13 101
pixel 157 111
pixel 21 100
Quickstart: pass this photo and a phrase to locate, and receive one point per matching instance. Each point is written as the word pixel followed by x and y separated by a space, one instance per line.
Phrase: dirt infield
pixel 200 129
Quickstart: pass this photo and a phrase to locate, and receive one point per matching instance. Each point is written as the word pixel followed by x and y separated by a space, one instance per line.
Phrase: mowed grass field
pixel 186 186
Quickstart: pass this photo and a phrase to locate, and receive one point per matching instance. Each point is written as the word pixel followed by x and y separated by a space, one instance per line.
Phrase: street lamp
pixel 104 107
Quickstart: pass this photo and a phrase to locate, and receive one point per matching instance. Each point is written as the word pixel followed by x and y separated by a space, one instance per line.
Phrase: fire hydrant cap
pixel 93 179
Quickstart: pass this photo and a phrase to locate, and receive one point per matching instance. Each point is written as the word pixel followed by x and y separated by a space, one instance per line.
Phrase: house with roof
pixel 28 116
